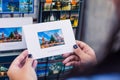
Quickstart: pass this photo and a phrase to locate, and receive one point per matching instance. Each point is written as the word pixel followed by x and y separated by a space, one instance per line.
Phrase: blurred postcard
pixel 11 34
pixel 49 39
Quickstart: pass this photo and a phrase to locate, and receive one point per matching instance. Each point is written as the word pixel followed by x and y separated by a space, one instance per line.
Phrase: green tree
pixel 52 39
pixel 11 35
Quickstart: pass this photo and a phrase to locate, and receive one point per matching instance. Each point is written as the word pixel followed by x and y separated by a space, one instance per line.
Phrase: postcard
pixel 64 15
pixel 16 6
pixel 74 18
pixel 10 6
pixel 26 6
pixel 49 39
pixel 11 33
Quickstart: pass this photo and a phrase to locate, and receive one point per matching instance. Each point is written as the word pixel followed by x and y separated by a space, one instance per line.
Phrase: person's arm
pixel 23 67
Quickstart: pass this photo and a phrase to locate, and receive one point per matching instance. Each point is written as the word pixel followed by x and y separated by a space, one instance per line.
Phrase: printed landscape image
pixel 10 34
pixel 0 5
pixel 26 5
pixel 10 5
pixel 16 6
pixel 51 38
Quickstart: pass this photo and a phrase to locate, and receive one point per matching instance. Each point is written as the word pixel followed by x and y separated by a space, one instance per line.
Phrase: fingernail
pixel 75 46
pixel 29 55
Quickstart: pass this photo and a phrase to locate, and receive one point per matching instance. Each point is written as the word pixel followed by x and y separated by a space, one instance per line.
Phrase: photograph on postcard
pixel 64 15
pixel 56 5
pixel 26 6
pixel 75 4
pixel 10 5
pixel 46 16
pixel 0 5
pixel 51 38
pixel 66 5
pixel 47 6
pixel 54 16
pixel 10 34
pixel 74 17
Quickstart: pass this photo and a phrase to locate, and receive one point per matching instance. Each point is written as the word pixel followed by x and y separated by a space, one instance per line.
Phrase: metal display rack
pixel 50 68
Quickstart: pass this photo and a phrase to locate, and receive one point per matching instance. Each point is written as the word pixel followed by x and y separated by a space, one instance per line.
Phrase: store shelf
pixel 61 10
pixel 65 8
pixel 43 64
pixel 9 54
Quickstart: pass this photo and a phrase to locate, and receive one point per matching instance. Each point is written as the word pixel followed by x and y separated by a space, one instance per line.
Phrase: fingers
pixel 77 50
pixel 67 55
pixel 82 54
pixel 16 64
pixel 81 44
pixel 87 55
pixel 35 62
pixel 30 62
pixel 20 58
pixel 73 63
pixel 70 58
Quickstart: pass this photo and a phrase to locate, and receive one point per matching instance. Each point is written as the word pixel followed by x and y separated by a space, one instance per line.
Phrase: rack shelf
pixel 60 10
pixel 43 64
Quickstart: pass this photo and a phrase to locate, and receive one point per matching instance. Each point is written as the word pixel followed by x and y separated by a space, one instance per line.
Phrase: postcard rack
pixel 50 68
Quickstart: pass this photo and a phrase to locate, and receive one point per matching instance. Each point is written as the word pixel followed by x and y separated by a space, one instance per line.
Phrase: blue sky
pixel 47 34
pixel 0 6
pixel 7 31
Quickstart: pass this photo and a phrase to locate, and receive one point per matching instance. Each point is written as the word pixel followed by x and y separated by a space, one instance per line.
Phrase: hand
pixel 83 55
pixel 23 68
